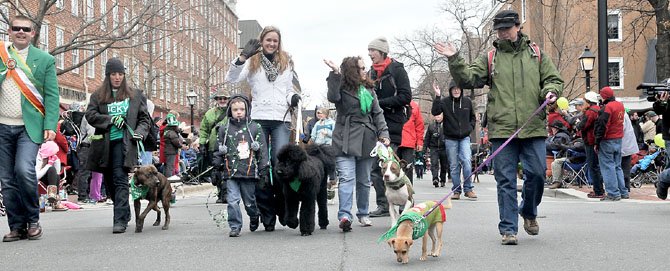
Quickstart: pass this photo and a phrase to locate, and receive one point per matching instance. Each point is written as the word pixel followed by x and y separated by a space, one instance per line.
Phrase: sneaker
pixel 234 233
pixel 625 196
pixel 456 196
pixel 345 224
pixel 509 239
pixel 109 202
pixel 442 184
pixel 608 198
pixel 119 229
pixel 471 194
pixel 435 183
pixel 379 213
pixel 593 195
pixel 365 221
pixel 531 226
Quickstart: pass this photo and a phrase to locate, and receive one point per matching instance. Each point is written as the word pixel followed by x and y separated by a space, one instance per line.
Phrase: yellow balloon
pixel 562 103
pixel 658 140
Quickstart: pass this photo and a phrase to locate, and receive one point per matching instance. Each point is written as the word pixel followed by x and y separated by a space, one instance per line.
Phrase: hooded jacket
pixel 412 131
pixel 242 151
pixel 519 84
pixel 209 127
pixel 459 116
pixel 434 138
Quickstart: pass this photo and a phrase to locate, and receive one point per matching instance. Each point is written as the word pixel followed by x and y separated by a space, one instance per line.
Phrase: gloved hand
pixel 294 100
pixel 251 48
pixel 551 97
pixel 119 121
pixel 137 137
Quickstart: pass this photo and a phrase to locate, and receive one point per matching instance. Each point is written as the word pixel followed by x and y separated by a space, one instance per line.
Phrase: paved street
pixel 575 234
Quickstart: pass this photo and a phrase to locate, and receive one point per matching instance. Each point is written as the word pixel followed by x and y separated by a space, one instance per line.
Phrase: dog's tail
pixel 448 203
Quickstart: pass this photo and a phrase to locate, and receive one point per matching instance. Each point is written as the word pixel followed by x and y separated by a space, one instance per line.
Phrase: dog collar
pixel 397 184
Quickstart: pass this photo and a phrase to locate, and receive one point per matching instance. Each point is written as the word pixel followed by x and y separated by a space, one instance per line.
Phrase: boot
pixel 52 193
pixel 555 185
pixel 435 182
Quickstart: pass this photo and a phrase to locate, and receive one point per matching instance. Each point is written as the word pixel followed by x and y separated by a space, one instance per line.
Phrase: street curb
pixel 561 193
pixel 192 189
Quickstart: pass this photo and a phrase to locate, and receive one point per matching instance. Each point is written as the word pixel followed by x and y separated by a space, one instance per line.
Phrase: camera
pixel 652 90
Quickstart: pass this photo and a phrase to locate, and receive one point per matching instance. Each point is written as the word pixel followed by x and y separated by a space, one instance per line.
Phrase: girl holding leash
pixel 359 125
pixel 119 116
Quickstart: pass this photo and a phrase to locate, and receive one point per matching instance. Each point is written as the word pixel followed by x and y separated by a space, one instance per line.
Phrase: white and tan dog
pixel 399 190
pixel 405 234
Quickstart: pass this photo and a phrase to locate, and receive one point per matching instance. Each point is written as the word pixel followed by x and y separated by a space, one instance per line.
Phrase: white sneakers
pixel 365 221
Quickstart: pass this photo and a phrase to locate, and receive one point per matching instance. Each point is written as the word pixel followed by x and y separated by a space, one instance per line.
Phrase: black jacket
pixel 459 116
pixel 393 99
pixel 434 138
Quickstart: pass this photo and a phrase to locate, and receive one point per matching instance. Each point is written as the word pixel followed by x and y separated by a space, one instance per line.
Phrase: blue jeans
pixel 17 176
pixel 609 156
pixel 459 155
pixel 532 154
pixel 244 190
pixel 269 198
pixel 354 170
pixel 594 170
pixel 147 158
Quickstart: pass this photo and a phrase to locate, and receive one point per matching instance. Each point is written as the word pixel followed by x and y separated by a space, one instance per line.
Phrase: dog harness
pixel 419 224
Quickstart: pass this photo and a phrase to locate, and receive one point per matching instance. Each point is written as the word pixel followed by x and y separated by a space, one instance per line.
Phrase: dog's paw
pixel 423 257
pixel 292 223
pixel 157 223
pixel 138 229
pixel 305 233
pixel 165 227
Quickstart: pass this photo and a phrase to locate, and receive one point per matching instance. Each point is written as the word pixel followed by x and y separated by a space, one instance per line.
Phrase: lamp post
pixel 587 60
pixel 191 96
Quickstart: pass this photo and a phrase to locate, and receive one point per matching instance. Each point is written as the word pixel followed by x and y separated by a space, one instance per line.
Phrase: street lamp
pixel 587 59
pixel 191 96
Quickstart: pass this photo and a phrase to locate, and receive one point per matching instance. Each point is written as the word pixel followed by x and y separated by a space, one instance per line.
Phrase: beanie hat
pixel 114 65
pixel 171 120
pixel 48 149
pixel 606 93
pixel 380 44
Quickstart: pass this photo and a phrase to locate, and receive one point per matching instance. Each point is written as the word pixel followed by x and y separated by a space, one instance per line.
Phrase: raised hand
pixel 447 49
pixel 251 48
pixel 332 65
pixel 436 88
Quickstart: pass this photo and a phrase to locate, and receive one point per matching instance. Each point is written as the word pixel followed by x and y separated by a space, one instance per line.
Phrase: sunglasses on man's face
pixel 25 29
pixel 221 98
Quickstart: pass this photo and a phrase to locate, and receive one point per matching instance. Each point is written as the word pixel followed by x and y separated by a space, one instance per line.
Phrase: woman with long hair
pixel 270 76
pixel 360 124
pixel 120 118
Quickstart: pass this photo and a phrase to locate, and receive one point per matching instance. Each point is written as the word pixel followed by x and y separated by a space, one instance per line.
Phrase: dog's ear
pixel 153 170
pixel 134 169
pixel 409 243
pixel 391 242
pixel 403 164
pixel 381 164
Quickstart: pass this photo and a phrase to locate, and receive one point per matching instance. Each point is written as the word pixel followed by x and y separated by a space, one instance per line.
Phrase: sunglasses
pixel 221 98
pixel 25 29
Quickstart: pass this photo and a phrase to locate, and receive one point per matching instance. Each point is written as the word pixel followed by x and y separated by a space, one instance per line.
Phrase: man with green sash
pixel 28 117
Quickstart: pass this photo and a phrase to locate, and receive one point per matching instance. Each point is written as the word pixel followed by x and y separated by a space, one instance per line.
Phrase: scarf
pixel 366 99
pixel 270 70
pixel 379 68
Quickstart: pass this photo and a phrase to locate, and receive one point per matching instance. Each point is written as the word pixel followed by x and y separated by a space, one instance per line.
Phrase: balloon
pixel 562 103
pixel 658 140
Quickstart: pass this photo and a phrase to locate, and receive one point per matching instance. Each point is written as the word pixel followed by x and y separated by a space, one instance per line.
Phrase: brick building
pixel 169 47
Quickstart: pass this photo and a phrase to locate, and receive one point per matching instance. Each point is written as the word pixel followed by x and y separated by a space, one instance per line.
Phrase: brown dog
pixel 159 190
pixel 399 190
pixel 404 239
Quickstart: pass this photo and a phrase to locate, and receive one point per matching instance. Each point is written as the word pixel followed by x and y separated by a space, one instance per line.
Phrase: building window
pixel 4 25
pixel 115 18
pixel 90 65
pixel 616 72
pixel 162 90
pixel 60 60
pixel 75 7
pixel 90 13
pixel 44 37
pixel 168 87
pixel 59 4
pixel 523 11
pixel 103 13
pixel 153 86
pixel 75 60
pixel 103 59
pixel 126 18
pixel 614 25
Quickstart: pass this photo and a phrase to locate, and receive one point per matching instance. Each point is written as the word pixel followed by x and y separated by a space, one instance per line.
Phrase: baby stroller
pixel 574 169
pixel 649 174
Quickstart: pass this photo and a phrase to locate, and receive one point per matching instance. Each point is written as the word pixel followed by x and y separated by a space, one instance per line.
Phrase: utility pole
pixel 603 76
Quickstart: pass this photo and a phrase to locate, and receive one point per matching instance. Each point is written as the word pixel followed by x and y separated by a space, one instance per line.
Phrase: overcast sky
pixel 314 30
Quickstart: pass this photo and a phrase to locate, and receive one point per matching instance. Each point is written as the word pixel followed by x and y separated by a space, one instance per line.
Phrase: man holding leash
pixel 521 78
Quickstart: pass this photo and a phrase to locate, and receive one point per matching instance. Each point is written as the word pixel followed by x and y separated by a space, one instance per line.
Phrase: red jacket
pixel 61 141
pixel 609 124
pixel 412 131
pixel 590 117
pixel 557 116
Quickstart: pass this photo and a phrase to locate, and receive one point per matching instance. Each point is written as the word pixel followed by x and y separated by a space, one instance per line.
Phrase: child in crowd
pixel 644 163
pixel 173 142
pixel 47 168
pixel 243 160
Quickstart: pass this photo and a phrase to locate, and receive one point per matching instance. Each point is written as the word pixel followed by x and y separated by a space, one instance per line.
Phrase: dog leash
pixel 479 168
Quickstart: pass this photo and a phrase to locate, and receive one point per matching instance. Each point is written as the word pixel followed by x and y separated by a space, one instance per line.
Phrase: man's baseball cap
pixel 505 19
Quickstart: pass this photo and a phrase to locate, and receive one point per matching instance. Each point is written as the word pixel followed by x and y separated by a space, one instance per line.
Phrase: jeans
pixel 270 197
pixel 609 155
pixel 594 170
pixel 459 155
pixel 354 171
pixel 116 182
pixel 407 154
pixel 83 175
pixel 625 167
pixel 147 158
pixel 378 182
pixel 439 164
pixel 244 190
pixel 532 154
pixel 17 176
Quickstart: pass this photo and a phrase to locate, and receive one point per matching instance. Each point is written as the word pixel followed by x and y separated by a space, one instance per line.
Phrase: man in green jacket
pixel 520 78
pixel 28 116
pixel 207 139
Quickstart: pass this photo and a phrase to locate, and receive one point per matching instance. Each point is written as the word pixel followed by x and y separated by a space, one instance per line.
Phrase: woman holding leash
pixel 119 116
pixel 270 75
pixel 359 125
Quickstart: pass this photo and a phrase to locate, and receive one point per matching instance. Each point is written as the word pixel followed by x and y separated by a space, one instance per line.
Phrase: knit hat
pixel 379 44
pixel 606 93
pixel 578 101
pixel 592 97
pixel 114 65
pixel 48 149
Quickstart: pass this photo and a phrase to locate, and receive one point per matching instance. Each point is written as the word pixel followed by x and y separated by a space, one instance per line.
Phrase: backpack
pixel 492 54
pixel 406 109
pixel 151 141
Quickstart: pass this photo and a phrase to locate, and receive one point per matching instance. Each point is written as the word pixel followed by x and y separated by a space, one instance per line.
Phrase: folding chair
pixel 574 169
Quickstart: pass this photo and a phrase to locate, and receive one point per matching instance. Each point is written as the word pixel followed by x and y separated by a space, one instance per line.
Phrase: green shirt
pixel 117 109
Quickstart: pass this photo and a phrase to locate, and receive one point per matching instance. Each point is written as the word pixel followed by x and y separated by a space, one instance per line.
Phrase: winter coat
pixel 209 127
pixel 434 136
pixel 412 131
pixel 172 140
pixel 271 100
pixel 587 125
pixel 519 85
pixel 661 108
pixel 237 137
pixel 552 116
pixel 649 130
pixel 459 116
pixel 609 124
pixel 393 99
pixel 136 118
pixel 628 143
pixel 355 134
pixel 560 142
pixel 326 124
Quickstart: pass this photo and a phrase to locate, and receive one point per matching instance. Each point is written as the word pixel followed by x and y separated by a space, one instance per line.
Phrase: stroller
pixel 650 173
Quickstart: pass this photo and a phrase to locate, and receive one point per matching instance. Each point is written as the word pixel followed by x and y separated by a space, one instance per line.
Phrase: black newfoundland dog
pixel 303 173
